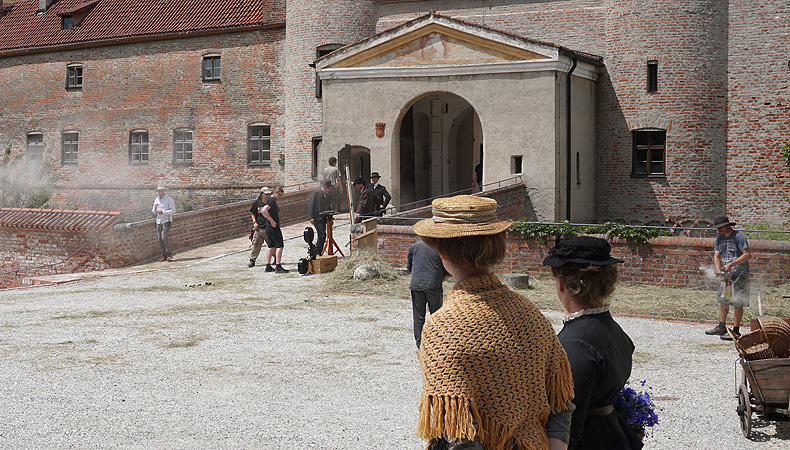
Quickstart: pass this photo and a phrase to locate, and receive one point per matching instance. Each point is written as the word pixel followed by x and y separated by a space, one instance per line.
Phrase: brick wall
pixel 155 86
pixel 29 253
pixel 664 261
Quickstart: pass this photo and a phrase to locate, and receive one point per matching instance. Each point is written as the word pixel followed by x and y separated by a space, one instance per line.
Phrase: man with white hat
pixel 163 209
pixel 258 224
pixel 731 256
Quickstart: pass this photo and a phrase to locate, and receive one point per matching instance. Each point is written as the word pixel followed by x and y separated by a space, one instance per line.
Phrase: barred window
pixel 138 147
pixel 68 147
pixel 649 154
pixel 259 144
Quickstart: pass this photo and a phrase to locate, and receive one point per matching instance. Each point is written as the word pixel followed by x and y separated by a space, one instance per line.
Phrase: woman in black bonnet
pixel 598 349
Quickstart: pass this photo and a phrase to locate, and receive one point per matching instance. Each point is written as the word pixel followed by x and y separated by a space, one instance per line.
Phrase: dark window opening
pixel 182 147
pixel 316 143
pixel 212 68
pixel 68 148
pixel 68 22
pixel 649 153
pixel 259 144
pixel 320 52
pixel 138 147
pixel 652 76
pixel 515 164
pixel 74 77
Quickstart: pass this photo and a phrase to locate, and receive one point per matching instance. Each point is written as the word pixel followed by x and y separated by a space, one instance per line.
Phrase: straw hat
pixel 462 215
pixel 161 188
pixel 266 190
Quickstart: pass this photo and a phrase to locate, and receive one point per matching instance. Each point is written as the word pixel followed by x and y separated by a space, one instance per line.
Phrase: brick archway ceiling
pixel 58 219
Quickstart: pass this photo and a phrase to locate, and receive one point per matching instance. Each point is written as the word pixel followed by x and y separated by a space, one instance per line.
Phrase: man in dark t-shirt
pixel 274 235
pixel 427 275
pixel 258 224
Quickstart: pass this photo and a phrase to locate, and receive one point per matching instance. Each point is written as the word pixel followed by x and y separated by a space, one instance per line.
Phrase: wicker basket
pixel 777 332
pixel 754 345
pixel 770 339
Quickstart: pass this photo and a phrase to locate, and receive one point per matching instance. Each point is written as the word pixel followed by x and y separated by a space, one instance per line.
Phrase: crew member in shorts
pixel 274 235
pixel 731 256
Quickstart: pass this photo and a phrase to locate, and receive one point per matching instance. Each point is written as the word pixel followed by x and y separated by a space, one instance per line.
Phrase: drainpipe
pixel 568 144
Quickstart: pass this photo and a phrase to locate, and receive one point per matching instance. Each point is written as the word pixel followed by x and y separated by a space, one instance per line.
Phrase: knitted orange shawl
pixel 489 355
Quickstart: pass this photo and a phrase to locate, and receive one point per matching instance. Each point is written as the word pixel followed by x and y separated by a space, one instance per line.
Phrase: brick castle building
pixel 670 111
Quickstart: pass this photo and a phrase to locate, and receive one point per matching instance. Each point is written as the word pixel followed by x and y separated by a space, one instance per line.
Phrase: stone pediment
pixel 435 44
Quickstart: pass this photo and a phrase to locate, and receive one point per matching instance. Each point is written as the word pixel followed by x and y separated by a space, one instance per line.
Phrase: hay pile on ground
pixel 389 283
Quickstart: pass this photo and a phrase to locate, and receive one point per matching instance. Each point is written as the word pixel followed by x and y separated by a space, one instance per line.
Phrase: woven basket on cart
pixel 770 340
pixel 778 333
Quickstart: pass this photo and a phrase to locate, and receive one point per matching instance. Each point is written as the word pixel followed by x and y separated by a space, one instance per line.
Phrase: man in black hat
pixel 731 256
pixel 366 205
pixel 382 196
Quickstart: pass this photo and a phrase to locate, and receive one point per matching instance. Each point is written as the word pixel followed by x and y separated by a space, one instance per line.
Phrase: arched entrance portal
pixel 441 141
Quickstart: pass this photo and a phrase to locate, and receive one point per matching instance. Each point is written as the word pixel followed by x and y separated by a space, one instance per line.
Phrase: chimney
pixel 43 5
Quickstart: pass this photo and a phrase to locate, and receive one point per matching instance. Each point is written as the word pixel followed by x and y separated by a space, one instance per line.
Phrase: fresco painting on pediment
pixel 437 48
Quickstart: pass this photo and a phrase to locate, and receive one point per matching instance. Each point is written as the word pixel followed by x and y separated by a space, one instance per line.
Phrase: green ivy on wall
pixel 786 154
pixel 635 233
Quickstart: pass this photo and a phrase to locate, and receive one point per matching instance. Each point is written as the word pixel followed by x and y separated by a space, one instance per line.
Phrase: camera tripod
pixel 330 246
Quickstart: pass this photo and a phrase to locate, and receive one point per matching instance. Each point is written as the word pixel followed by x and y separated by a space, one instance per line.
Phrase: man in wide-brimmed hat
pixel 258 223
pixel 731 256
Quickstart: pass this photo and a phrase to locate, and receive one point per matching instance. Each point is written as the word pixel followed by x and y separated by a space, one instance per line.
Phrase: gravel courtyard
pixel 204 353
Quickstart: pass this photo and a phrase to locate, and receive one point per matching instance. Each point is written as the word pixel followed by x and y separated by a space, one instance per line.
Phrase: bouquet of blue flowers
pixel 637 408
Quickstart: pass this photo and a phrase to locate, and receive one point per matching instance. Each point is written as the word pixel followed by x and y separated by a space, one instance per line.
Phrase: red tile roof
pixel 111 21
pixel 58 219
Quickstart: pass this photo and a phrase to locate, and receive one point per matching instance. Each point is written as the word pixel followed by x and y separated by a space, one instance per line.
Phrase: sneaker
pixel 268 268
pixel 163 258
pixel 169 257
pixel 252 263
pixel 719 330
pixel 280 269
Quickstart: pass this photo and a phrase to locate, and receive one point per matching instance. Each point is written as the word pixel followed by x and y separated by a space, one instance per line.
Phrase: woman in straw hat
pixel 598 349
pixel 495 376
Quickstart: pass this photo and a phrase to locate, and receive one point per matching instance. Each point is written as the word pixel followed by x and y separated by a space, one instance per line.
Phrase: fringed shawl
pixel 489 355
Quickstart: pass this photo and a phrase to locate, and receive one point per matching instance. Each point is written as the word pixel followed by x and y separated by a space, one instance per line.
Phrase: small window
pixel 316 144
pixel 212 68
pixel 652 76
pixel 68 147
pixel 182 147
pixel 649 154
pixel 515 164
pixel 74 77
pixel 35 147
pixel 67 22
pixel 138 147
pixel 321 52
pixel 259 144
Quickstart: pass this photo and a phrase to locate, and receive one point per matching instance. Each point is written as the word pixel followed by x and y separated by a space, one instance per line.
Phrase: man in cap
pixel 164 208
pixel 258 224
pixel 317 210
pixel 366 205
pixel 382 196
pixel 731 256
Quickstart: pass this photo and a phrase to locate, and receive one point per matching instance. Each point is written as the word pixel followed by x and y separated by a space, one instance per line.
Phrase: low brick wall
pixel 26 253
pixel 664 261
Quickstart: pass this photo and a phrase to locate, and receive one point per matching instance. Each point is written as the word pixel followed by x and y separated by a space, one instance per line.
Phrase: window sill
pixel 648 176
pixel 74 88
pixel 68 163
pixel 212 80
pixel 136 163
pixel 182 163
pixel 263 164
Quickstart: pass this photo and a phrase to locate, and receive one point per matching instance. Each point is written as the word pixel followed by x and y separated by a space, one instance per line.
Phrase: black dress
pixel 600 355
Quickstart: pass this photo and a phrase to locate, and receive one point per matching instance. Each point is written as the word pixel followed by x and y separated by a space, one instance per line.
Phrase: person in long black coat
pixel 598 349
